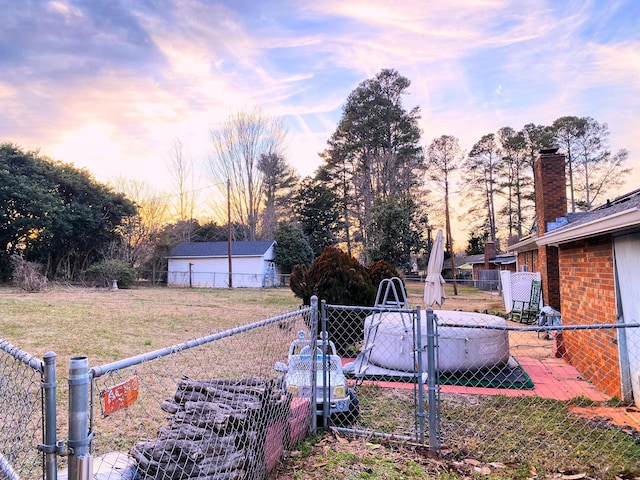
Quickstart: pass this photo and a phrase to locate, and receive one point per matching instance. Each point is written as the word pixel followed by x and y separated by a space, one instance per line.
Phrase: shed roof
pixel 255 248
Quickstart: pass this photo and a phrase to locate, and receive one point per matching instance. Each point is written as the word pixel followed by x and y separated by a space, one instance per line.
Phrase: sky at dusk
pixel 110 85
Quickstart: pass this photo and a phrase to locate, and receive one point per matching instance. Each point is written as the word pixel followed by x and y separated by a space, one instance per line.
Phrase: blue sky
pixel 110 85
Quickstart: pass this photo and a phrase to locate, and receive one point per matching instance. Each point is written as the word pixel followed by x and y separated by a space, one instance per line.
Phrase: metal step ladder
pixel 391 295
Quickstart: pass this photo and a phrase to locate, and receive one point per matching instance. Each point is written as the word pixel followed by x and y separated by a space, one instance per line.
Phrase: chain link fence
pixel 384 402
pixel 186 279
pixel 549 397
pixel 559 403
pixel 189 279
pixel 214 407
pixel 21 415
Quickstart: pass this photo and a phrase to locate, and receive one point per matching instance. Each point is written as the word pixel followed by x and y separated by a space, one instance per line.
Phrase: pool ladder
pixel 391 295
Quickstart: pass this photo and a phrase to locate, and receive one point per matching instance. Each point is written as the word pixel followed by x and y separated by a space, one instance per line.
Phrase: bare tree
pixel 444 156
pixel 140 231
pixel 180 166
pixel 27 275
pixel 238 143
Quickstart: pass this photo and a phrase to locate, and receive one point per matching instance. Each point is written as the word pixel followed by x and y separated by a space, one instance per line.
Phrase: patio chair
pixel 528 311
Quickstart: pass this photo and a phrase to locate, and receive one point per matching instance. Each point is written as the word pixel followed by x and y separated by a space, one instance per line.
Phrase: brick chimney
pixel 489 252
pixel 551 203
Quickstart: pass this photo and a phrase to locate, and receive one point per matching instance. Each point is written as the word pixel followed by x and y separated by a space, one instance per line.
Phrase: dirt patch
pixel 628 418
pixel 339 457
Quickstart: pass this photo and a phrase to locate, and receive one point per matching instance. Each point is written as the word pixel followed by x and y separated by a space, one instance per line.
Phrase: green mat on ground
pixel 510 375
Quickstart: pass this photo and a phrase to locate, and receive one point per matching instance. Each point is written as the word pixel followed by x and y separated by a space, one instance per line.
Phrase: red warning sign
pixel 120 396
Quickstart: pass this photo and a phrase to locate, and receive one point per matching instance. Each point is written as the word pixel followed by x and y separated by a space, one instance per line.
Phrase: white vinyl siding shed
pixel 206 264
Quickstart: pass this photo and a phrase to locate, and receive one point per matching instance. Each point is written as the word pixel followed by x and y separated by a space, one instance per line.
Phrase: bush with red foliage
pixel 298 283
pixel 338 279
pixel 380 270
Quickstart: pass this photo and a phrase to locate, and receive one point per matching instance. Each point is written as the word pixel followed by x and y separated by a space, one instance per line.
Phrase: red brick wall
pixel 550 273
pixel 530 259
pixel 588 297
pixel 509 266
pixel 489 253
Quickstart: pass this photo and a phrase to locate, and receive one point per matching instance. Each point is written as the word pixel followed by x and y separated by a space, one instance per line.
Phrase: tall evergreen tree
pixel 278 182
pixel 375 151
pixel 292 247
pixel 396 231
pixel 516 181
pixel 444 156
pixel 596 169
pixel 317 209
pixel 481 169
pixel 567 131
pixel 537 137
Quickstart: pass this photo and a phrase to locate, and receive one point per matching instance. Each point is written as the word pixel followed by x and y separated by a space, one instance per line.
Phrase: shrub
pixel 27 275
pixel 338 279
pixel 105 272
pixel 380 270
pixel 298 283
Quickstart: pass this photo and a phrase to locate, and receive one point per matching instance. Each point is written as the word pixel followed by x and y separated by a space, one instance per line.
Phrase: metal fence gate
pixel 211 407
pixel 389 335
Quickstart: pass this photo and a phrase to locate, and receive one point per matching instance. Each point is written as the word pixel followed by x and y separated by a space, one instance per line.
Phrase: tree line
pixel 378 193
pixel 384 192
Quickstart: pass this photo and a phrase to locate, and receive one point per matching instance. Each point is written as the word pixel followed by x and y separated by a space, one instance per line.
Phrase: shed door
pixel 627 256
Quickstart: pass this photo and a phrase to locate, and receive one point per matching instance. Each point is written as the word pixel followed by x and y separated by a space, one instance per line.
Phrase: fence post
pixel 432 380
pixel 313 332
pixel 418 349
pixel 326 384
pixel 50 446
pixel 80 462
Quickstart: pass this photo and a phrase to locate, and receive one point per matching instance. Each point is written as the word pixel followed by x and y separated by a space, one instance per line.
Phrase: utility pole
pixel 229 232
pixel 449 240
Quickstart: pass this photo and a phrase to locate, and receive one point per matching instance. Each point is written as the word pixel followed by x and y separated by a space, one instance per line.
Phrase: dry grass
pixel 468 298
pixel 107 325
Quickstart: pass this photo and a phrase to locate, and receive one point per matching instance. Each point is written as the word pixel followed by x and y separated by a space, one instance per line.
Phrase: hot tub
pixel 459 346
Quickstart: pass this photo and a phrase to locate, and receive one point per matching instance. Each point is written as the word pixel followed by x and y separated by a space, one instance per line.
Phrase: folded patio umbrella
pixel 434 283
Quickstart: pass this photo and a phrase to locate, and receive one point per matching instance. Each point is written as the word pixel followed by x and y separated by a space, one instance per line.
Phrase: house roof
pixel 620 214
pixel 221 249
pixel 502 259
pixel 617 215
pixel 524 245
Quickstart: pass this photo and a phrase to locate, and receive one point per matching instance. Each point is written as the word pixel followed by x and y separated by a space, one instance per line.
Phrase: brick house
pixel 588 263
pixel 491 260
